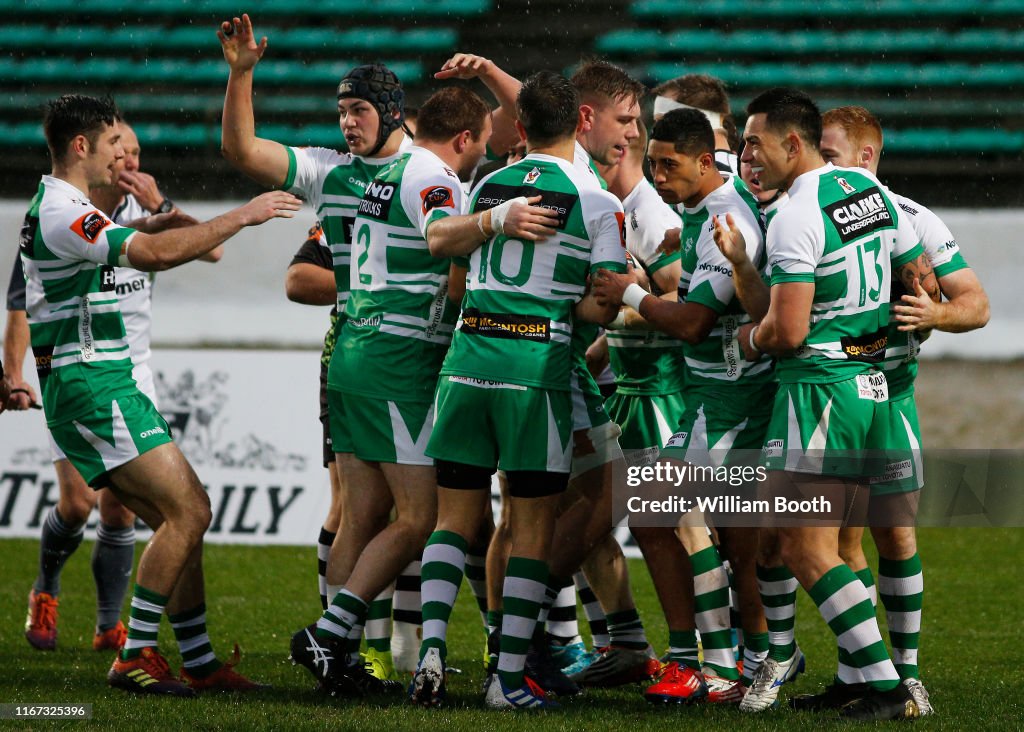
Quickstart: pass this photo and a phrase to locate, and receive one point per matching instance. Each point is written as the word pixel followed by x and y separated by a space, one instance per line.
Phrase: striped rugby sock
pixel 143 622
pixel 901 586
pixel 194 642
pixel 711 604
pixel 444 562
pixel 777 586
pixel 522 595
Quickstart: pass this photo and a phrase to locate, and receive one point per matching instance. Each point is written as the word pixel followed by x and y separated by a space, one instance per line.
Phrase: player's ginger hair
pixel 861 127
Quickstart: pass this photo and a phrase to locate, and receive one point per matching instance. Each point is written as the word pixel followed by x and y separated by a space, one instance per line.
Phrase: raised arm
pixel 265 161
pixel 504 87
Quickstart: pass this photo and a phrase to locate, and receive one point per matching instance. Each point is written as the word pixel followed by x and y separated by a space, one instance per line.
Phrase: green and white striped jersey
pixel 706 279
pixel 900 363
pixel 517 316
pixel 69 249
pixel 647 362
pixel 842 233
pixel 333 183
pixel 398 320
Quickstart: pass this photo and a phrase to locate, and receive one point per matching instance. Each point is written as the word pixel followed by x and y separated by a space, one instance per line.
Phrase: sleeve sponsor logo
pixel 437 197
pixel 620 217
pixel 869 348
pixel 909 209
pixel 315 231
pixel 27 238
pixel 376 201
pixel 506 325
pixel 90 225
pixel 706 267
pixel 495 194
pixel 861 215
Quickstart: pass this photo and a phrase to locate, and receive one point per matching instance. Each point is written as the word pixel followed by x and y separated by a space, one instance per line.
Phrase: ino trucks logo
pixel 376 202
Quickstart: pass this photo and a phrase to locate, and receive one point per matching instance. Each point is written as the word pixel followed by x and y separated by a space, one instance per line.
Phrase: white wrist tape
pixel 122 260
pixel 634 295
pixel 753 332
pixel 619 323
pixel 499 212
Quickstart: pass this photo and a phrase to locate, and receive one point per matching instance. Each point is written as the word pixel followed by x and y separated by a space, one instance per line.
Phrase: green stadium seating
pixel 802 9
pixel 768 43
pixel 191 9
pixel 878 75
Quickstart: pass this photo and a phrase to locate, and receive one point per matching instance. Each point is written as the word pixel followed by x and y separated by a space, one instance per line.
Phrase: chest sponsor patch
pixel 506 325
pixel 376 201
pixel 495 194
pixel 859 215
pixel 90 225
pixel 437 197
pixel 869 348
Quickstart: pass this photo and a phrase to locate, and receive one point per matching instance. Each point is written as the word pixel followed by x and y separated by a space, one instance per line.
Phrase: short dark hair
pixel 599 78
pixel 548 107
pixel 75 114
pixel 788 109
pixel 688 130
pixel 450 111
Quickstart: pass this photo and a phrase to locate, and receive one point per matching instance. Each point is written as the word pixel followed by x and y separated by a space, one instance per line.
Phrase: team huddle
pixel 512 294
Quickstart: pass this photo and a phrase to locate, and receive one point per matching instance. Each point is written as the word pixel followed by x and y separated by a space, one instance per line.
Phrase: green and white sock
pixel 901 586
pixel 777 586
pixel 378 621
pixel 345 611
pixel 682 648
pixel 846 607
pixel 868 580
pixel 755 650
pixel 522 595
pixel 194 642
pixel 143 622
pixel 444 561
pixel 711 605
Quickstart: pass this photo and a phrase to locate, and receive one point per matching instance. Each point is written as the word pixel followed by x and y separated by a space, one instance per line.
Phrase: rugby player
pixel 129 201
pixel 707 94
pixel 706 320
pixel 106 427
pixel 831 408
pixel 852 138
pixel 496 381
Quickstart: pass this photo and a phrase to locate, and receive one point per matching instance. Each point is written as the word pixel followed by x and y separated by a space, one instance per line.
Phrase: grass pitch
pixel 971 655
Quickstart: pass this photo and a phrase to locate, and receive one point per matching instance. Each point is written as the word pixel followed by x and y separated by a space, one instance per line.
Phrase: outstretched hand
pixel 273 205
pixel 239 44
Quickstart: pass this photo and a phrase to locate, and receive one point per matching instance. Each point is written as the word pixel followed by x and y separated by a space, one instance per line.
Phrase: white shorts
pixel 143 376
